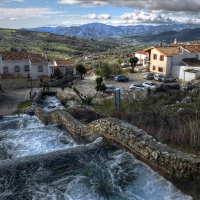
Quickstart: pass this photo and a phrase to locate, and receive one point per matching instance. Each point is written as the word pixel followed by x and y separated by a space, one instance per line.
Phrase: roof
pixel 165 50
pixel 64 62
pixel 34 58
pixel 192 48
pixel 141 52
pixel 192 61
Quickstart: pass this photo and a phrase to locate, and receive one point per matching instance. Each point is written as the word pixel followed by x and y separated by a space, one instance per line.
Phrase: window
pixel 160 69
pixel 5 69
pixel 154 67
pixel 17 69
pixel 161 57
pixel 155 56
pixel 26 68
pixel 40 68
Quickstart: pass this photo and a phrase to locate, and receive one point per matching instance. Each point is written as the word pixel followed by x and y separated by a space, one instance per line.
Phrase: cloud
pixel 84 3
pixel 9 1
pixel 145 17
pixel 14 19
pixel 95 16
pixel 172 6
pixel 25 13
pixel 154 18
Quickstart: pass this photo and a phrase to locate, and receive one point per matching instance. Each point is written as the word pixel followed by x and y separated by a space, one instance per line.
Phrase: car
pixel 150 85
pixel 149 76
pixel 121 78
pixel 168 78
pixel 110 89
pixel 136 86
pixel 158 77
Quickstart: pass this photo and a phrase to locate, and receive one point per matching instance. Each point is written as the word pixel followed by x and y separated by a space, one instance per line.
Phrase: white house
pixel 141 55
pixel 180 60
pixel 67 67
pixel 23 63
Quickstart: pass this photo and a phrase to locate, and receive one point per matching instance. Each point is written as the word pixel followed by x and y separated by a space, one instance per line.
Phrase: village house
pixel 141 55
pixel 23 64
pixel 67 67
pixel 179 60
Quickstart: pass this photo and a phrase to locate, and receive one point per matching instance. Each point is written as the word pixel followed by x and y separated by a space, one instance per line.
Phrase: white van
pixel 158 77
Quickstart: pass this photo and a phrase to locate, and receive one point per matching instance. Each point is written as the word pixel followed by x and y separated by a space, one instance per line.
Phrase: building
pixel 178 60
pixel 23 64
pixel 67 67
pixel 141 55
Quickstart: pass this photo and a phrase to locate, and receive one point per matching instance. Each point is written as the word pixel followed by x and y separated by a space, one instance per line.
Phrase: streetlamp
pixel 31 82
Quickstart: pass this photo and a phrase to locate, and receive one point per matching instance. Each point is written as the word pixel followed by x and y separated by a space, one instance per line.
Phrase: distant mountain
pixel 139 32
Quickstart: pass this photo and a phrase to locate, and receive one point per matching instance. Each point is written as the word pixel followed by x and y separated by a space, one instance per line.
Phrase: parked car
pixel 150 85
pixel 168 78
pixel 149 76
pixel 121 78
pixel 158 77
pixel 136 86
pixel 110 88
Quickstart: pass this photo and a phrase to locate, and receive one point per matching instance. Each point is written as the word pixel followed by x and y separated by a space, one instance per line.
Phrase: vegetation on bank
pixel 161 114
pixel 24 104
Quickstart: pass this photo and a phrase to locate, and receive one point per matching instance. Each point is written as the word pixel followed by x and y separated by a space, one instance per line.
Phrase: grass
pixel 25 104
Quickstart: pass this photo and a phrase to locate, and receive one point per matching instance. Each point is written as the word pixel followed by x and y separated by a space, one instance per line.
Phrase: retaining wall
pixel 20 82
pixel 160 157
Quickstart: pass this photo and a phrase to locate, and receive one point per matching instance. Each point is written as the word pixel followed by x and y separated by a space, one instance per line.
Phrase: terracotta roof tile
pixel 165 50
pixel 141 52
pixel 64 62
pixel 192 61
pixel 34 58
pixel 193 48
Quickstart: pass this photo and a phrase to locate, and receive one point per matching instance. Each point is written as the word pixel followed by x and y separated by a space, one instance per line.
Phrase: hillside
pixel 52 44
pixel 135 34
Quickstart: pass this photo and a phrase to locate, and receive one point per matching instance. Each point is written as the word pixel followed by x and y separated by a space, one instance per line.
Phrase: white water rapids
pixel 96 171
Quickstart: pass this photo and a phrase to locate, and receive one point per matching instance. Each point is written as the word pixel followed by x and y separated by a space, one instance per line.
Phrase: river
pixel 96 171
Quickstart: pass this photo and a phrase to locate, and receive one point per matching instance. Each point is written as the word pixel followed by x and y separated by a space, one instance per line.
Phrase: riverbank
pixel 11 98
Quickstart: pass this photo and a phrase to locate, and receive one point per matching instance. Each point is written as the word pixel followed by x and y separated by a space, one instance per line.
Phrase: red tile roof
pixel 141 52
pixel 34 58
pixel 193 48
pixel 192 61
pixel 165 50
pixel 64 62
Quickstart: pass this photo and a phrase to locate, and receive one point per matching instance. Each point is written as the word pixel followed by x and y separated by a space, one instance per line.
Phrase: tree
pixel 105 70
pixel 133 62
pixel 81 70
pixel 100 85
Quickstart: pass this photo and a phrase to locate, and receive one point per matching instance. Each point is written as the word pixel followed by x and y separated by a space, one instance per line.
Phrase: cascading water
pixel 44 162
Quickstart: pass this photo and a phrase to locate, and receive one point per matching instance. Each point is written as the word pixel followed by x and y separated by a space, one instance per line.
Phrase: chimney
pixel 175 41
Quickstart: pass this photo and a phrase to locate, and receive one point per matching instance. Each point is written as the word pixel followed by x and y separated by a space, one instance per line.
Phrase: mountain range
pixel 140 33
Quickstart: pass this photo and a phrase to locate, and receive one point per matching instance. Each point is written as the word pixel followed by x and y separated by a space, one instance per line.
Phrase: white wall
pixel 179 72
pixel 34 70
pixel 12 63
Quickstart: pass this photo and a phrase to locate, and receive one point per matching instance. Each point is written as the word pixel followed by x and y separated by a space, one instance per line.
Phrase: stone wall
pixel 20 83
pixel 160 157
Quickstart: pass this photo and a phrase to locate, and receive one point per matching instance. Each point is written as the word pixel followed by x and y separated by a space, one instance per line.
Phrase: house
pixel 24 64
pixel 67 67
pixel 92 58
pixel 178 60
pixel 141 55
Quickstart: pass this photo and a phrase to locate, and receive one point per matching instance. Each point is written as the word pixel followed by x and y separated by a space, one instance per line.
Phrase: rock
pixel 187 99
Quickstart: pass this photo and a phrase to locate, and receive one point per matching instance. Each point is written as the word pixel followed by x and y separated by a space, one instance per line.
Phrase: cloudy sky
pixel 35 13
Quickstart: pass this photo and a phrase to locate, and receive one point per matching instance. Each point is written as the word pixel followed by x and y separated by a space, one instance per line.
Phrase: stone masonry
pixel 161 158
